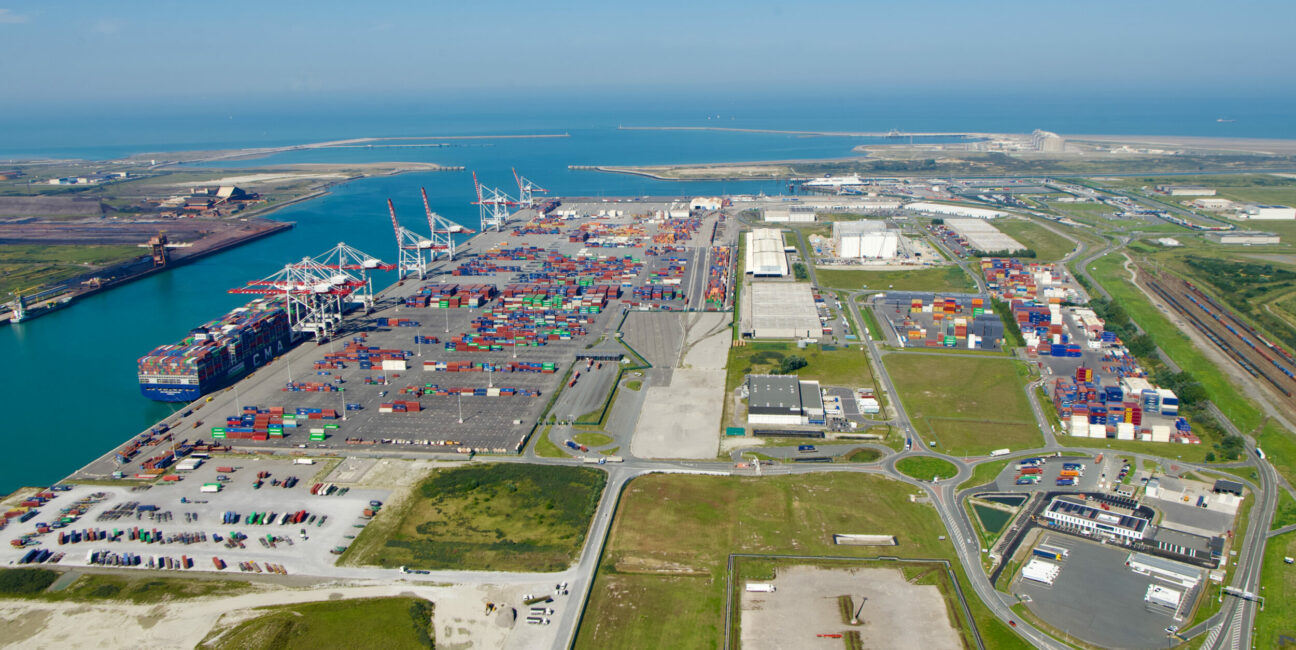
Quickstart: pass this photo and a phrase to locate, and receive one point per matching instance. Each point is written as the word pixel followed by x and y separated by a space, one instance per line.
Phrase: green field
pixel 544 447
pixel 1277 584
pixel 1279 446
pixel 490 517
pixel 1048 245
pixel 24 267
pixel 1187 453
pixel 378 623
pixel 925 468
pixel 1109 272
pixel 666 555
pixel 940 279
pixel 969 405
pixel 137 589
pixel 593 439
pixel 862 455
pixel 844 366
pixel 985 472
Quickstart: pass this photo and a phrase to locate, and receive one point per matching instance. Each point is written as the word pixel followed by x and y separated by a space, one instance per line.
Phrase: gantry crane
pixel 494 205
pixel 409 246
pixel 527 190
pixel 443 230
pixel 348 260
pixel 314 296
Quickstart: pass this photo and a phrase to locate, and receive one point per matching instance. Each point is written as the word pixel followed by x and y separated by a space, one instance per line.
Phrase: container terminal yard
pixel 485 341
pixel 465 359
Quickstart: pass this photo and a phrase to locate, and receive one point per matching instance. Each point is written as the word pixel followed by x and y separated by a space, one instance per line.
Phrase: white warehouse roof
pixel 765 253
pixel 954 210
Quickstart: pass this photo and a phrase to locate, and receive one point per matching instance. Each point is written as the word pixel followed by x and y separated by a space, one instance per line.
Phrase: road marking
pixel 1212 635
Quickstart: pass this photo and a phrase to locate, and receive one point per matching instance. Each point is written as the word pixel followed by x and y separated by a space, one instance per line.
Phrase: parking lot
pixel 1088 481
pixel 196 527
pixel 1098 599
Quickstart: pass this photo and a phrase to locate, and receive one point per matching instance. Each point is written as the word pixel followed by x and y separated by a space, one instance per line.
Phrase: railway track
pixel 1241 343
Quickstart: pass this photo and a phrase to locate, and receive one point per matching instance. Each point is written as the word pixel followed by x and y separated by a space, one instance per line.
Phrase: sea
pixel 68 387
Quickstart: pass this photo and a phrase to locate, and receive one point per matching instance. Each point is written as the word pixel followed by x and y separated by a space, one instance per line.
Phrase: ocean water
pixel 69 390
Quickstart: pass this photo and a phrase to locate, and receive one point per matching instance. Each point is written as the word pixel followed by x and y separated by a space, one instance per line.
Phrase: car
pixel 1012 623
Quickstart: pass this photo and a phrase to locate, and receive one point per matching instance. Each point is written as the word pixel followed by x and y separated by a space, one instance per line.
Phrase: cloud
pixel 8 17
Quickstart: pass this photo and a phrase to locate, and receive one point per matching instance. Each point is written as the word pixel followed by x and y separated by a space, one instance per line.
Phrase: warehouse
pixel 1075 513
pixel 783 399
pixel 1168 570
pixel 954 210
pixel 1165 596
pixel 865 240
pixel 783 310
pixel 1186 190
pixel 765 257
pixel 789 214
pixel 1244 237
pixel 1225 486
pixel 1267 213
pixel 982 236
pixel 1189 545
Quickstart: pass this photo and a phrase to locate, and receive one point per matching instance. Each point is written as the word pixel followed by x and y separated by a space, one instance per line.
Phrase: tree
pixel 791 364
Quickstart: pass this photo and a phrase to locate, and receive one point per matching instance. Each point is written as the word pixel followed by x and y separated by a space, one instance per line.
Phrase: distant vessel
pixel 217 354
pixel 1225 120
pixel 21 312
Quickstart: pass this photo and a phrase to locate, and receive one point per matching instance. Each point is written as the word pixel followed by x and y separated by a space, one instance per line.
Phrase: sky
pixel 71 53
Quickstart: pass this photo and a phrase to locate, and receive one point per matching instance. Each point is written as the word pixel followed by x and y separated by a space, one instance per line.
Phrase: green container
pixel 735 431
pixel 216 430
pixel 317 437
pixel 330 426
pixel 218 435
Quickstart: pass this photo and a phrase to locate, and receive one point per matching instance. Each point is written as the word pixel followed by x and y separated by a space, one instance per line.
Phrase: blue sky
pixel 68 53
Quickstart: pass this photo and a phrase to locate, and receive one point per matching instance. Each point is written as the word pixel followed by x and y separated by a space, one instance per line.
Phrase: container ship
pixel 217 354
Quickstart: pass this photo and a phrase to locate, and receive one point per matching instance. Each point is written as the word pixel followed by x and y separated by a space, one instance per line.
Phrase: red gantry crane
pixel 348 260
pixel 314 296
pixel 409 246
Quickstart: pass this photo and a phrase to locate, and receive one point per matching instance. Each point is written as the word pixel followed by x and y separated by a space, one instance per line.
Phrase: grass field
pixel 137 589
pixel 544 447
pixel 23 267
pixel 1187 453
pixel 924 468
pixel 1109 272
pixel 492 517
pixel 940 279
pixel 1279 446
pixel 841 367
pixel 592 439
pixel 379 623
pixel 862 455
pixel 1277 584
pixel 871 322
pixel 666 555
pixel 969 405
pixel 985 472
pixel 1048 246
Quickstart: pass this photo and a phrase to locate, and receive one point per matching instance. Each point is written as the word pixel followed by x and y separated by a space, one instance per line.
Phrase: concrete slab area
pixel 894 613
pixel 682 420
pixel 1098 599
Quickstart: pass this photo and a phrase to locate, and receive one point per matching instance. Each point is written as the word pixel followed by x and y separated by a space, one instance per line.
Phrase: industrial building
pixel 1075 513
pixel 1243 237
pixel 706 204
pixel 977 234
pixel 1165 596
pixel 1047 141
pixel 765 256
pixel 783 310
pixel 1189 545
pixel 1225 486
pixel 783 399
pixel 953 210
pixel 1186 190
pixel 789 214
pixel 1267 213
pixel 1214 204
pixel 865 240
pixel 1164 569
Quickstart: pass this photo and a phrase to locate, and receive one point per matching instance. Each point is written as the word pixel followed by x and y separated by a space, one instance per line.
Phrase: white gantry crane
pixel 410 246
pixel 443 230
pixel 527 190
pixel 348 261
pixel 494 205
pixel 314 296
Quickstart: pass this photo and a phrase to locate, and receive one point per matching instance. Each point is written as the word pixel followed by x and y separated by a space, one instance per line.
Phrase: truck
pixel 1031 470
pixel 1063 482
pixel 1068 473
pixel 210 487
pixel 803 449
pixel 303 461
pixel 1001 452
pixel 760 587
pixel 1050 552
